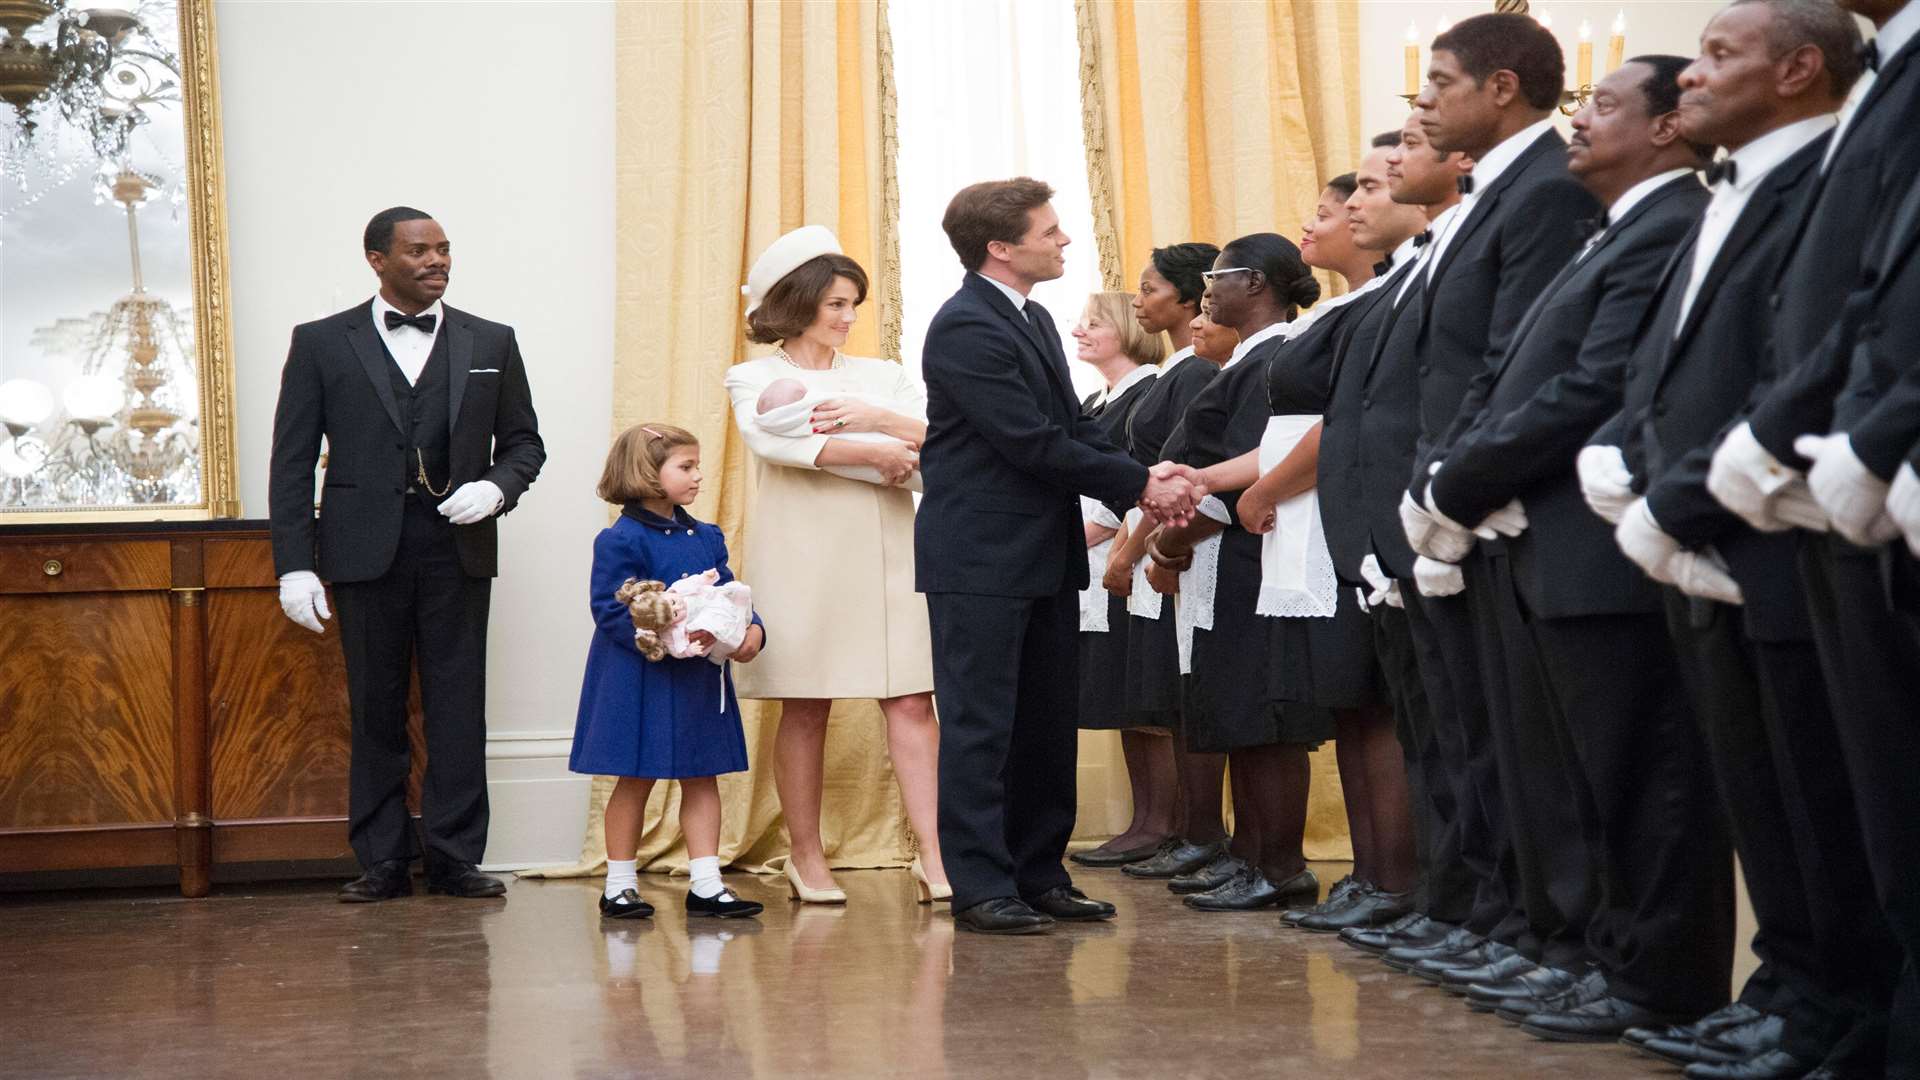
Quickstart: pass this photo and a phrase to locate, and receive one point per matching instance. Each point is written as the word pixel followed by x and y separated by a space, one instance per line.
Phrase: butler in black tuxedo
pixel 430 434
pixel 1001 555
pixel 1663 929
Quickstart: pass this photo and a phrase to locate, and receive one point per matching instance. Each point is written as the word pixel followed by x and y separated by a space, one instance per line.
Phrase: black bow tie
pixel 1383 267
pixel 1593 226
pixel 1724 169
pixel 1870 55
pixel 422 322
pixel 1425 238
pixel 1465 184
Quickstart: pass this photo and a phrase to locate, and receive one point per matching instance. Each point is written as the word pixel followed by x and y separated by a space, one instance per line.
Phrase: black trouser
pixel 1547 801
pixel 1447 883
pixel 1006 681
pixel 1443 642
pixel 1663 926
pixel 425 604
pixel 1762 704
pixel 1870 655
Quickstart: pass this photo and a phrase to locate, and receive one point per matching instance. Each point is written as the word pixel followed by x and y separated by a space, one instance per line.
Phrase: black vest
pixel 424 417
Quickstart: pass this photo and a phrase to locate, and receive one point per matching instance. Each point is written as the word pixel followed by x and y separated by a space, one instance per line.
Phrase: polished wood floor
pixel 281 981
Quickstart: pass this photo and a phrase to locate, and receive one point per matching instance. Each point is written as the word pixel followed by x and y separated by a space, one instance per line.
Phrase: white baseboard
pixel 539 808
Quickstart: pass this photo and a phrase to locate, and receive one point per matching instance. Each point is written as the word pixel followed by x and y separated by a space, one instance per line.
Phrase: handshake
pixel 1172 493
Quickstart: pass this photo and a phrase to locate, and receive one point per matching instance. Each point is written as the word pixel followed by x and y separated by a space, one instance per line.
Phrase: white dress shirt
pixel 1012 294
pixel 1752 163
pixel 1485 171
pixel 1629 199
pixel 409 345
pixel 1888 42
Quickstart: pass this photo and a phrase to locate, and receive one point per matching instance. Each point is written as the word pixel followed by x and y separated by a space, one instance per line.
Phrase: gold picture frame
pixel 206 207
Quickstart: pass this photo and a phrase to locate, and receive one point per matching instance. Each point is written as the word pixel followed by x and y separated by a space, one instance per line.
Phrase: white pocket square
pixel 483 371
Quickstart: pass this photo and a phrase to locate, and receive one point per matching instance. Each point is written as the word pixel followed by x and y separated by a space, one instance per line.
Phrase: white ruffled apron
pixel 1296 570
pixel 1142 601
pixel 1093 598
pixel 1193 607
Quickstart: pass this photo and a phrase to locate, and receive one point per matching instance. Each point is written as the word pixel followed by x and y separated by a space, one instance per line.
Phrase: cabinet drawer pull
pixel 52 567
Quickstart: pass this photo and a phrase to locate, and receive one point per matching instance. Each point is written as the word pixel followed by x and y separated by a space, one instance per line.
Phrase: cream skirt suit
pixel 830 560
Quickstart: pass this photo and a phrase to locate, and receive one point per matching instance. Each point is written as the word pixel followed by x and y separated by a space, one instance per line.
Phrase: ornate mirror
pixel 116 379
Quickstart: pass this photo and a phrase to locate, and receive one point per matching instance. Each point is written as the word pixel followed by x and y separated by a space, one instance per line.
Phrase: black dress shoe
pixel 382 881
pixel 1503 970
pixel 1727 1016
pixel 464 881
pixel 1178 857
pixel 1003 915
pixel 1736 1043
pixel 1410 930
pixel 1248 891
pixel 1376 908
pixel 1068 904
pixel 1107 858
pixel 1344 892
pixel 724 906
pixel 1596 1021
pixel 1589 987
pixel 1483 955
pixel 1304 885
pixel 1536 985
pixel 1771 1065
pixel 1218 870
pixel 1458 940
pixel 627 905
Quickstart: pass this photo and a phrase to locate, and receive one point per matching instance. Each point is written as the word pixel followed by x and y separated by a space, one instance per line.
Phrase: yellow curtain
pixel 1207 120
pixel 735 122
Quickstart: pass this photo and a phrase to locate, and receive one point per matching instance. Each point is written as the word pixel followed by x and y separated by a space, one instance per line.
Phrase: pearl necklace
pixel 838 361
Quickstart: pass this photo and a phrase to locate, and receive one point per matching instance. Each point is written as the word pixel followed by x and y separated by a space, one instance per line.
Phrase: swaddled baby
pixel 785 408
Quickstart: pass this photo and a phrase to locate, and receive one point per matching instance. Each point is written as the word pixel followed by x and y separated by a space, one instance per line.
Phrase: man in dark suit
pixel 1663 930
pixel 1764 86
pixel 1000 552
pixel 430 433
pixel 1491 91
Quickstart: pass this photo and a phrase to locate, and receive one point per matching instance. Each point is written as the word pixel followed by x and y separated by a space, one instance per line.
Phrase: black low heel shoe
pixel 627 905
pixel 724 906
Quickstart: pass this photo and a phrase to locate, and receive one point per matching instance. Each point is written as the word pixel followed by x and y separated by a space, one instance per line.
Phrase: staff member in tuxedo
pixel 1663 935
pixel 1765 86
pixel 1491 90
pixel 430 433
pixel 1001 555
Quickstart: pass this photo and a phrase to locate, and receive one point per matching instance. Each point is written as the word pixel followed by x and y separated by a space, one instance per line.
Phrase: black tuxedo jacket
pixel 1520 231
pixel 1373 418
pixel 1007 453
pixel 336 383
pixel 1838 233
pixel 1683 392
pixel 1884 390
pixel 1525 420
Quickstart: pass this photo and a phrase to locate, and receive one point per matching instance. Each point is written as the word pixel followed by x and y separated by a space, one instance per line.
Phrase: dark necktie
pixel 1870 56
pixel 1465 184
pixel 1425 238
pixel 422 322
pixel 1724 169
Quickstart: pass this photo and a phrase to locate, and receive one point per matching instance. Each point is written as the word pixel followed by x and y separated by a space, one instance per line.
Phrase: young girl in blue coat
pixel 645 720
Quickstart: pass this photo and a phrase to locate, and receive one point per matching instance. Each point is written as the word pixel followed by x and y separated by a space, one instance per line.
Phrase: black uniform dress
pixel 1103 657
pixel 1151 684
pixel 1228 704
pixel 1318 660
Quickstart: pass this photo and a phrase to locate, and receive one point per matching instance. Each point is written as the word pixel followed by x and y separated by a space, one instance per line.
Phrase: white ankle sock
pixel 622 874
pixel 706 876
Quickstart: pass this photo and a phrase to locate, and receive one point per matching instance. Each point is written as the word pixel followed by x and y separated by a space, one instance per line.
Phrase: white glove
pixel 1903 505
pixel 1605 481
pixel 1642 540
pixel 1855 500
pixel 477 500
pixel 1508 521
pixel 1745 477
pixel 1435 578
pixel 1428 536
pixel 304 599
pixel 1385 589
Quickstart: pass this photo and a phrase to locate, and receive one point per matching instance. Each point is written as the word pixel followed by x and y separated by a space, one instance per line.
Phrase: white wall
pixel 497 118
pixel 1653 26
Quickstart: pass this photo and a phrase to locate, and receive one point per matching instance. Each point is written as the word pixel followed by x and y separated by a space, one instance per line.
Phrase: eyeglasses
pixel 1209 275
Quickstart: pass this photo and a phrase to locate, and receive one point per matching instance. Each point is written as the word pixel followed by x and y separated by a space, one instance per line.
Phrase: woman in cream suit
pixel 831 557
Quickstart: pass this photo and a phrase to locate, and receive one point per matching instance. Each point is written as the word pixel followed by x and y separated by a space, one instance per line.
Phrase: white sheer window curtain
pixel 988 89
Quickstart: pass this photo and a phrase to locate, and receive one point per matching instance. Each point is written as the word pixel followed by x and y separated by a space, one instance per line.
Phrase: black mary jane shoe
pixel 1248 891
pixel 1218 870
pixel 1344 892
pixel 382 881
pixel 466 882
pixel 724 906
pixel 1376 908
pixel 1068 904
pixel 627 905
pixel 1176 858
pixel 1103 858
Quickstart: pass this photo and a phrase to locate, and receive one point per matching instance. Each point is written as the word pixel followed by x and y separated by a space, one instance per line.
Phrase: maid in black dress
pixel 1127 357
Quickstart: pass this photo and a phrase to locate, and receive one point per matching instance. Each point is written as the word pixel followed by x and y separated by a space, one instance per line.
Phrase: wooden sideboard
pixel 157 709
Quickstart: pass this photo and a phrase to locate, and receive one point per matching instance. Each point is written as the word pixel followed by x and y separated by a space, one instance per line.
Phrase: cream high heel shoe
pixel 808 895
pixel 929 892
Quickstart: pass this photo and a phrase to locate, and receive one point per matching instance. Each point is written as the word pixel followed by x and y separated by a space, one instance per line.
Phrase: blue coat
pixel 663 718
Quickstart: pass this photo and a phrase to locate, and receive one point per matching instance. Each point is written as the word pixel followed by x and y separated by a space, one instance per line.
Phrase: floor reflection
pixel 282 980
